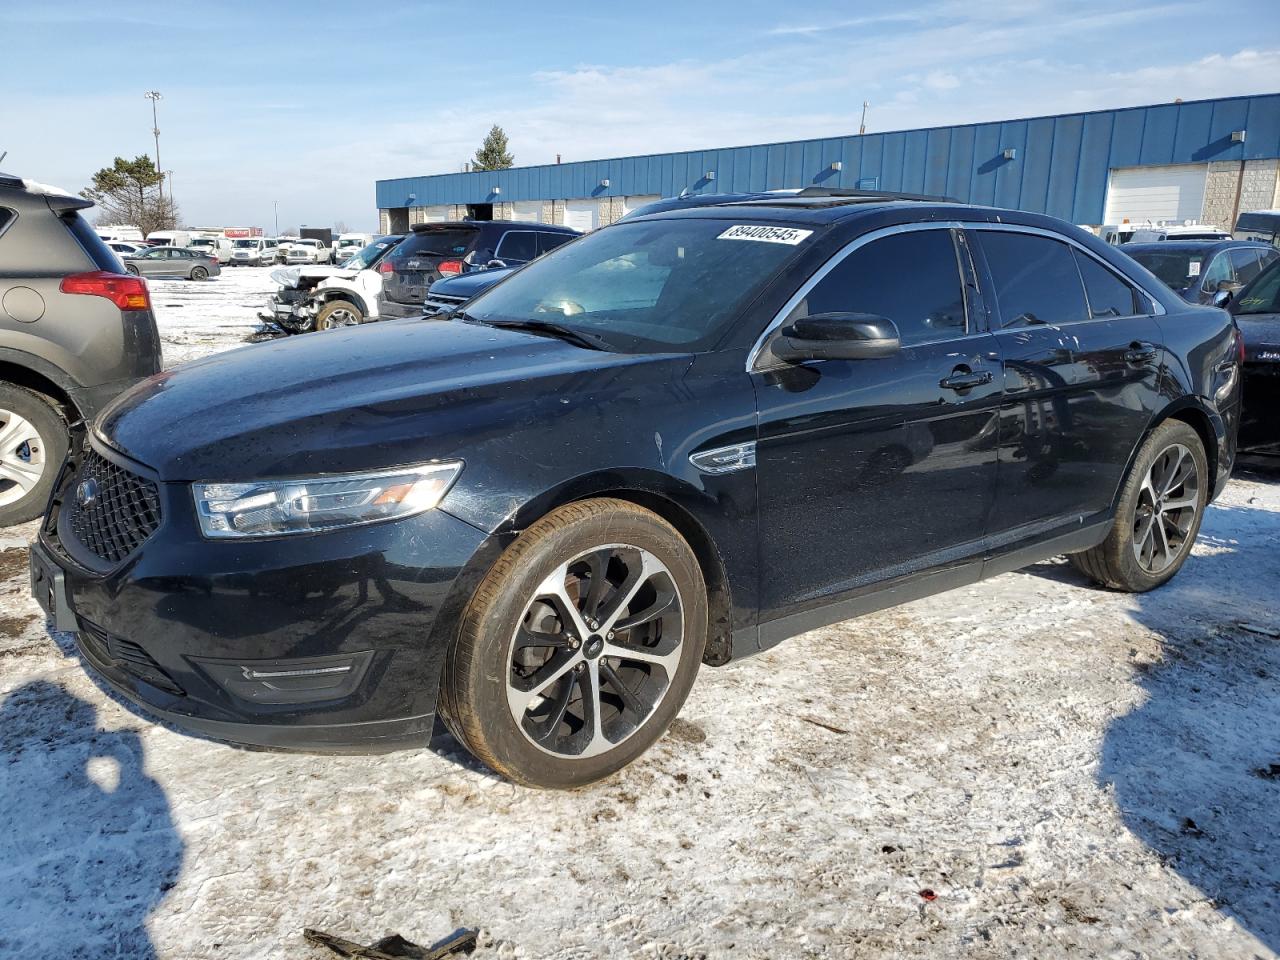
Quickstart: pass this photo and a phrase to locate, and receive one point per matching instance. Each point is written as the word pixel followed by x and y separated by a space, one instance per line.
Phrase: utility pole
pixel 154 96
pixel 861 130
pixel 275 206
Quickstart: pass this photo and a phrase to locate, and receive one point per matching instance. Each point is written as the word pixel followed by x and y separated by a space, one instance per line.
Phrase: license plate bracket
pixel 49 587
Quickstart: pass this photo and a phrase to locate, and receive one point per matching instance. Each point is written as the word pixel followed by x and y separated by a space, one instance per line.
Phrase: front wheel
pixel 130 268
pixel 1158 515
pixel 579 647
pixel 338 313
pixel 33 443
pixel 199 273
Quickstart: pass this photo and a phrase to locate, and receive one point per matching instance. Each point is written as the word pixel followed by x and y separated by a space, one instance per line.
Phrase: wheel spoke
pixel 1164 542
pixel 651 612
pixel 626 593
pixel 640 655
pixel 1172 477
pixel 25 475
pixel 554 588
pixel 599 742
pixel 520 699
pixel 629 699
pixel 526 638
pixel 17 431
pixel 596 586
pixel 1183 504
pixel 559 706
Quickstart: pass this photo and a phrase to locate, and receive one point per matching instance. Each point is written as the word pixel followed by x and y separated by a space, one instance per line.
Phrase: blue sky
pixel 309 103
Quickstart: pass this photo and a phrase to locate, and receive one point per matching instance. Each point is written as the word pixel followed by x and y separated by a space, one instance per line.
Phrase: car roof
pixel 794 208
pixel 1191 246
pixel 482 224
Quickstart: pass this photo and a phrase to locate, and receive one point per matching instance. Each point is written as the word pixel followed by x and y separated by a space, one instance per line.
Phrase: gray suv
pixel 75 330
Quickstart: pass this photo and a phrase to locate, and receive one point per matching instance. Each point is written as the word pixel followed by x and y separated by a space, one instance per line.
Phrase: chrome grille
pixel 111 511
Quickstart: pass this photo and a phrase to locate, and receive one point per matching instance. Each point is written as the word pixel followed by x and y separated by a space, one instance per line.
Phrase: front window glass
pixel 1218 271
pixel 247 244
pixel 646 285
pixel 928 305
pixel 518 245
pixel 1263 295
pixel 1245 261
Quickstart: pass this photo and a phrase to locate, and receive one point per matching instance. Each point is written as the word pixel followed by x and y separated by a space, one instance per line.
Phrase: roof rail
pixel 837 192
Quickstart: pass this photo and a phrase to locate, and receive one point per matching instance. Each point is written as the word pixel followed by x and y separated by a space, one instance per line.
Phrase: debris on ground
pixel 395 947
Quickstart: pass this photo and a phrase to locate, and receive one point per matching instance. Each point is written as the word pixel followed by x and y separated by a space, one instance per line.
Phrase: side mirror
pixel 837 336
pixel 1222 297
pixel 495 264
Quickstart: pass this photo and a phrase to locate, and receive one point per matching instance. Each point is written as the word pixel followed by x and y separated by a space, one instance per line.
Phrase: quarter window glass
pixel 519 245
pixel 1217 271
pixel 1246 263
pixel 1035 278
pixel 1109 296
pixel 911 278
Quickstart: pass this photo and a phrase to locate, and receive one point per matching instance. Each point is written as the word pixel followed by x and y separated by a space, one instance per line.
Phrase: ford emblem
pixel 87 492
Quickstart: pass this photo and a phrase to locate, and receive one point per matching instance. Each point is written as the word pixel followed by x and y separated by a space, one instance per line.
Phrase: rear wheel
pixel 199 273
pixel 338 313
pixel 579 647
pixel 1158 516
pixel 33 444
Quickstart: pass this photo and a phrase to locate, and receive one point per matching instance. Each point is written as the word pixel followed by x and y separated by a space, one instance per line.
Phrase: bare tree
pixel 340 228
pixel 129 193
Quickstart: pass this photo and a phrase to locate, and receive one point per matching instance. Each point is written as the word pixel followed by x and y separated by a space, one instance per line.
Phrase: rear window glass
pixel 434 243
pixel 1035 278
pixel 1109 296
pixel 103 257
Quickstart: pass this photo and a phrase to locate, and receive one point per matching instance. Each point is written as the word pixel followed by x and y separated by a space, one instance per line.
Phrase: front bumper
pixel 330 642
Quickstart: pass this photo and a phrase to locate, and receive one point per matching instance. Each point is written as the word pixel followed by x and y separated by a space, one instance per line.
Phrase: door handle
pixel 962 378
pixel 1139 353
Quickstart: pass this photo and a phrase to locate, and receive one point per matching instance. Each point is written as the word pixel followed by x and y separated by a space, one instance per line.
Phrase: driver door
pixel 878 472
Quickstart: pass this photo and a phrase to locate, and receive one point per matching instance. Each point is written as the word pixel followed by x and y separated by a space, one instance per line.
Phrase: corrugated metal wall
pixel 1060 168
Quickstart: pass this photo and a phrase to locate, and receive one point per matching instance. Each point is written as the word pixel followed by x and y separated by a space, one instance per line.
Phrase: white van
pixel 121 234
pixel 169 238
pixel 1151 232
pixel 252 252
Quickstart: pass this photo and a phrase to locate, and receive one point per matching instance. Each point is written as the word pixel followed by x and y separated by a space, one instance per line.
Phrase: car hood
pixel 469 284
pixel 1261 333
pixel 362 398
pixel 293 277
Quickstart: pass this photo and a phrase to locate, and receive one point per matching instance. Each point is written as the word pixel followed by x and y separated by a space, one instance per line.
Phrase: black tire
pixel 338 313
pixel 49 449
pixel 199 273
pixel 481 663
pixel 1119 564
pixel 130 268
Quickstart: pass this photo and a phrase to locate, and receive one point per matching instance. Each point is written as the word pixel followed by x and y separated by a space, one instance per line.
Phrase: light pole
pixel 168 174
pixel 154 96
pixel 275 206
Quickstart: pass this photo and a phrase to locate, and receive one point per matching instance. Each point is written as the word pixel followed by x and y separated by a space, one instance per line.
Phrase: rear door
pixel 415 260
pixel 549 241
pixel 875 470
pixel 1082 359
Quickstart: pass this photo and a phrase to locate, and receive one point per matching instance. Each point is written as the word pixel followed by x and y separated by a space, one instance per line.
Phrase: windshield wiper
pixel 547 327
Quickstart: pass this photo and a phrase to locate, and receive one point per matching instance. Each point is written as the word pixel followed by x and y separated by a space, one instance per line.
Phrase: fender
pixel 1216 445
pixel 43 368
pixel 323 295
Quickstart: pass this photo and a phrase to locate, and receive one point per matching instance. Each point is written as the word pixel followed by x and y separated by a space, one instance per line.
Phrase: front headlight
pixel 310 504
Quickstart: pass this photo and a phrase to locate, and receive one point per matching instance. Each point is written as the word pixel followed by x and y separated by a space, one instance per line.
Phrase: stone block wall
pixel 1257 186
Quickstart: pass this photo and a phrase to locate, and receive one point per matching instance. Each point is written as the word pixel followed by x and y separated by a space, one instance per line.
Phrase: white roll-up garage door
pixel 528 211
pixel 631 203
pixel 1156 193
pixel 582 215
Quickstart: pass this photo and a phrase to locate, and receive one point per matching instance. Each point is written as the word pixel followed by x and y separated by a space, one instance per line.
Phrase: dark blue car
pixel 1199 270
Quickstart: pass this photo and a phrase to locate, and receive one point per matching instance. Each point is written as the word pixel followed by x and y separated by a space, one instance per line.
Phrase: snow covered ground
pixel 1030 767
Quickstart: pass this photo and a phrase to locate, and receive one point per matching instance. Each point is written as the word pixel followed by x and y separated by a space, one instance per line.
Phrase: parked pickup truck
pixel 321 297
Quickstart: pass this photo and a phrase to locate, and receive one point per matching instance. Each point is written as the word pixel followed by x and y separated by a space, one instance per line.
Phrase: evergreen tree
pixel 493 154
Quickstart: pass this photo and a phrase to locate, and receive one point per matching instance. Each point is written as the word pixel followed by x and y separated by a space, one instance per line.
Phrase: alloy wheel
pixel 22 461
pixel 596 650
pixel 342 317
pixel 1167 503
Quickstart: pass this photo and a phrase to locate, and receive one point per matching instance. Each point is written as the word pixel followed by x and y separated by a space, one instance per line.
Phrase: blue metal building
pixel 1065 165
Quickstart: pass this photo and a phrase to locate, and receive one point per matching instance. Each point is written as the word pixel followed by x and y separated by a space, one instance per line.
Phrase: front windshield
pixel 246 243
pixel 198 242
pixel 1263 295
pixel 646 285
pixel 371 254
pixel 1177 268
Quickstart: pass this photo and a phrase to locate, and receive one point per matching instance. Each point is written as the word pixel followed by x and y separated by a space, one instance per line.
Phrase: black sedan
pixel 1257 312
pixel 674 442
pixel 1204 271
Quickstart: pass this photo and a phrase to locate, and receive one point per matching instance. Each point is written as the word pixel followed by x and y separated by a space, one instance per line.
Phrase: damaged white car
pixel 323 297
